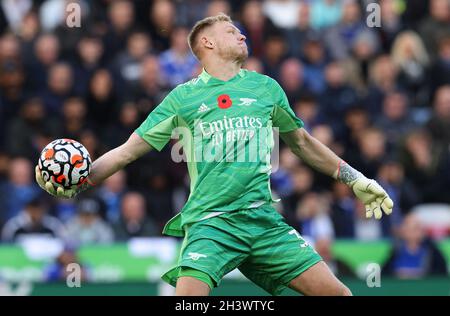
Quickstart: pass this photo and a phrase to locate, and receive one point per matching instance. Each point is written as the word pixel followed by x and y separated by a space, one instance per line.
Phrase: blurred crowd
pixel 378 96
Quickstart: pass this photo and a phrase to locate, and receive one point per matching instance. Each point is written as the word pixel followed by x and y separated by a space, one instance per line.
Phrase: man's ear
pixel 206 42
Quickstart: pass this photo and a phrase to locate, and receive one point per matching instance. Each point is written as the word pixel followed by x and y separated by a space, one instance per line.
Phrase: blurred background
pixel 378 96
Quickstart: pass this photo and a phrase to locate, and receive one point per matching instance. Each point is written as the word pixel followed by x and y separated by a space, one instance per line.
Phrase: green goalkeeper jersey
pixel 226 131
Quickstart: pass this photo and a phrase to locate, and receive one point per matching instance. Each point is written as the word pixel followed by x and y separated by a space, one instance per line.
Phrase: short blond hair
pixel 202 25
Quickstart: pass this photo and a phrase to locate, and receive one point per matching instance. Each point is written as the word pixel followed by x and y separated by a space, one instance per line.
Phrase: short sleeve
pixel 159 124
pixel 282 115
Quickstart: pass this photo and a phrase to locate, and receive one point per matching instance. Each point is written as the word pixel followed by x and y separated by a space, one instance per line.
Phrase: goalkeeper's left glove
pixel 373 196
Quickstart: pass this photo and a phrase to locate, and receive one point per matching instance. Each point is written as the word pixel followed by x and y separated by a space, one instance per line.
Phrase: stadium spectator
pixel 410 57
pixel 162 22
pixel 414 255
pixel 91 141
pixel 46 53
pixel 121 22
pixel 302 182
pixel 435 25
pixel 190 11
pixel 391 22
pixel 68 35
pixel 296 36
pixel 343 211
pixel 102 99
pixel 383 75
pixel 15 11
pixel 31 122
pixel 158 193
pixel 281 180
pixel 59 87
pixel 112 193
pixel 363 50
pixel 133 220
pixel 307 108
pixel 62 268
pixel 88 227
pixel 337 97
pixel 12 75
pixel 52 13
pixel 341 37
pixel 275 52
pixel 405 195
pixel 215 7
pixel 415 12
pixel 256 27
pixel 324 133
pixel 33 220
pixel 127 64
pixel 151 88
pixel 74 118
pixel 64 210
pixel 315 61
pixel 395 120
pixel 178 65
pixel 424 160
pixel 88 60
pixel 18 190
pixel 439 123
pixel 325 13
pixel 118 131
pixel 440 69
pixel 254 64
pixel 313 220
pixel 372 151
pixel 292 79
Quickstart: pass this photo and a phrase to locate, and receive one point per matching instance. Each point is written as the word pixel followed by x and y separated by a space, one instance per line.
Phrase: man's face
pixel 230 43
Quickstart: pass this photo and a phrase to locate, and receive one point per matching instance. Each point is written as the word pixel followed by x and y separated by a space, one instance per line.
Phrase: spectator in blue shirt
pixel 415 255
pixel 18 190
pixel 177 63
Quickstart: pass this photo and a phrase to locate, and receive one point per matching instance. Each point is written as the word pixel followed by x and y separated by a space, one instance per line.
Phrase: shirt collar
pixel 207 77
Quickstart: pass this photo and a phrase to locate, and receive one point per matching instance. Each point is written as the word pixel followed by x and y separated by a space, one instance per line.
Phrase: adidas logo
pixel 203 108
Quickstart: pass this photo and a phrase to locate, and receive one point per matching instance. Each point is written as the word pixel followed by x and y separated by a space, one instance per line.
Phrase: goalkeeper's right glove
pixel 58 191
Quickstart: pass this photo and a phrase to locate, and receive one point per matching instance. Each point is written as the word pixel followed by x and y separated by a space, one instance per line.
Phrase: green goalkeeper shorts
pixel 256 241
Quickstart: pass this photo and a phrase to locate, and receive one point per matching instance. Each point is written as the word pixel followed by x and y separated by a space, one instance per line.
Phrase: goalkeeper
pixel 228 221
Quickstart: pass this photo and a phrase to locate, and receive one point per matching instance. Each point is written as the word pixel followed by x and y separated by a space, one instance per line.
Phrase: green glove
pixel 373 196
pixel 57 191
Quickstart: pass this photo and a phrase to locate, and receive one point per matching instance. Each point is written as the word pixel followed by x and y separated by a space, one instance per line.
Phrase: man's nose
pixel 242 37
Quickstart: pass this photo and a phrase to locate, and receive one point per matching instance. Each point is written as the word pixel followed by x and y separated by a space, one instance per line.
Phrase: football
pixel 65 162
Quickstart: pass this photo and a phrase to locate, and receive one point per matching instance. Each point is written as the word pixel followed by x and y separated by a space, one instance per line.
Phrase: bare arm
pixel 321 158
pixel 313 152
pixel 118 158
pixel 102 168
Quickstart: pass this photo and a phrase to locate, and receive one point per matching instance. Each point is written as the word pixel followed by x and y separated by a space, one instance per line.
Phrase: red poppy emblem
pixel 224 101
